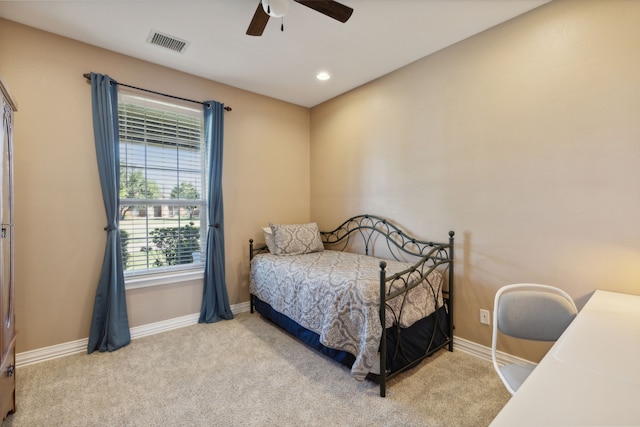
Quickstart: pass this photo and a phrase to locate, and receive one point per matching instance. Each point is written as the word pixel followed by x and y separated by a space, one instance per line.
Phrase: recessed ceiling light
pixel 323 75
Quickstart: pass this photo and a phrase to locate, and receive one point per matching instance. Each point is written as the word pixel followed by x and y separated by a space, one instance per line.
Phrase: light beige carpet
pixel 247 372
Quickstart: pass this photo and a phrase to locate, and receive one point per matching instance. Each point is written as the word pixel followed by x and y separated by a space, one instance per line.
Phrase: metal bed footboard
pixel 430 256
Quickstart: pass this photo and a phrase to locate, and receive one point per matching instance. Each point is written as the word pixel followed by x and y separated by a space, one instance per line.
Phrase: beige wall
pixel 58 207
pixel 524 139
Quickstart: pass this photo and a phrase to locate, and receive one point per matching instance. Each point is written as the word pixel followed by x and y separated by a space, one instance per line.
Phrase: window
pixel 162 180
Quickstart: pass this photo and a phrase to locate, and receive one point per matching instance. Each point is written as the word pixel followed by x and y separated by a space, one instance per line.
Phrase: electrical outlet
pixel 484 317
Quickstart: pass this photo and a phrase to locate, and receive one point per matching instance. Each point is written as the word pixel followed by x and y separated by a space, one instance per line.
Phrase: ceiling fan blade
pixel 332 9
pixel 258 22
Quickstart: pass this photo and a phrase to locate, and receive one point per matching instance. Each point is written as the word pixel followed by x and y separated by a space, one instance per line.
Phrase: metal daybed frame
pixel 430 256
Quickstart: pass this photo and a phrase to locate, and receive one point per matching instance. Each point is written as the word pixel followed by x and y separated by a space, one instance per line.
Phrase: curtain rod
pixel 88 77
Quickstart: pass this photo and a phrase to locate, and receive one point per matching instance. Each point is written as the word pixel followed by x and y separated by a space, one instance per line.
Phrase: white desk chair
pixel 532 312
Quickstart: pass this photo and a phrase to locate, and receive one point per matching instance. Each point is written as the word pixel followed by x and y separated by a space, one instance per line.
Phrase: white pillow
pixel 296 239
pixel 268 239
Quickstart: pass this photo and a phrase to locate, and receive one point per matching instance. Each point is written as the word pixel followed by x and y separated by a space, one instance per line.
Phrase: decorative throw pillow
pixel 268 239
pixel 296 239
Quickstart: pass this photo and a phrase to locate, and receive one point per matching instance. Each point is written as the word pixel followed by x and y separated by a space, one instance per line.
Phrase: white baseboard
pixel 484 352
pixel 79 346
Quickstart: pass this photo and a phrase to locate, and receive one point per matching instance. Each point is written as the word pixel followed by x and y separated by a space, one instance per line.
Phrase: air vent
pixel 167 41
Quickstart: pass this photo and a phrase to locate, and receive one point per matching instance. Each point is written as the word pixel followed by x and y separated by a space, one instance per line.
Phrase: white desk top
pixel 591 376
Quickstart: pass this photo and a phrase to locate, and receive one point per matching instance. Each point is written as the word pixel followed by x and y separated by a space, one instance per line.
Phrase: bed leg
pixel 383 362
pixel 250 258
pixel 451 289
pixel 450 329
pixel 383 338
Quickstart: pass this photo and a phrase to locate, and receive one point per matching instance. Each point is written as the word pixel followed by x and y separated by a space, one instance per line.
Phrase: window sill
pixel 162 279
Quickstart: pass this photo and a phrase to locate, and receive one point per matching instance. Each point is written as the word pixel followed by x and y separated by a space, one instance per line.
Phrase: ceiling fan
pixel 278 8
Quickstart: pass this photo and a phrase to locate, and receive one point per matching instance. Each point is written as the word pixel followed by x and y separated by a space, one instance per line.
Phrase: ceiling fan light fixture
pixel 323 75
pixel 275 8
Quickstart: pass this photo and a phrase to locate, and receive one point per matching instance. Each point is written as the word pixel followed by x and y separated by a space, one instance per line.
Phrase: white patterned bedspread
pixel 336 295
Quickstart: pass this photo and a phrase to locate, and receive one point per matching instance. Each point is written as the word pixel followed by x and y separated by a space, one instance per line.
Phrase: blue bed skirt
pixel 404 345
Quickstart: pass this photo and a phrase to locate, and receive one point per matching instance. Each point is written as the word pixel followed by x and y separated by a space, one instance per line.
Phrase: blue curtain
pixel 215 302
pixel 110 324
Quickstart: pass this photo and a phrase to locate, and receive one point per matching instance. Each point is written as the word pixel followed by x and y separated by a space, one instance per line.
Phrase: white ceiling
pixel 380 37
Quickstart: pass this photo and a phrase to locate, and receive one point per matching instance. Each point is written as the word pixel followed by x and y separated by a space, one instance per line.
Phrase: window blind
pixel 162 179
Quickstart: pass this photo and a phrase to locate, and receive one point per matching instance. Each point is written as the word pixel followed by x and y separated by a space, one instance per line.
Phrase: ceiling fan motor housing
pixel 278 8
pixel 275 8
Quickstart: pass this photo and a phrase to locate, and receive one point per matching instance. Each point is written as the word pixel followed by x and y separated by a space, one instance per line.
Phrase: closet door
pixel 6 234
pixel 7 316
